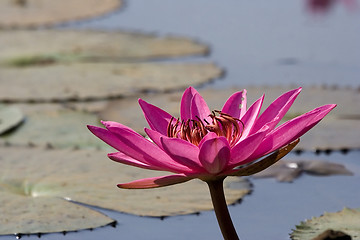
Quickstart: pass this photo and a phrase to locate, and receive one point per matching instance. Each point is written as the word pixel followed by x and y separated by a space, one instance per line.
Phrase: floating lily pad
pixel 26 214
pixel 45 66
pixel 19 48
pixel 47 178
pixel 31 13
pixel 10 117
pixel 347 221
pixel 54 127
pixel 287 171
pixel 339 130
pixel 81 81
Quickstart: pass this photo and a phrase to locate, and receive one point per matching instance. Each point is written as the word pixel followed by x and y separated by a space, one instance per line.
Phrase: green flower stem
pixel 222 213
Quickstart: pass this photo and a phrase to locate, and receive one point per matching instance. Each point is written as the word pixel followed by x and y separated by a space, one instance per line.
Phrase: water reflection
pixel 324 6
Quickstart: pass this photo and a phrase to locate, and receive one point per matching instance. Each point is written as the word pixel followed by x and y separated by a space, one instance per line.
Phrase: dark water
pixel 258 42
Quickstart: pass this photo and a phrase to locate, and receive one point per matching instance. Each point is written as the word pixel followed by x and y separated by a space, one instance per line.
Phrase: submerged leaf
pixel 324 168
pixel 287 171
pixel 31 13
pixel 50 176
pixel 10 117
pixel 347 221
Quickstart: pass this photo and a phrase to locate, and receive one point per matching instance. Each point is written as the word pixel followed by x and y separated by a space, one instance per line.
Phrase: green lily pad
pixel 347 221
pixel 39 182
pixel 10 117
pixel 47 66
pixel 54 127
pixel 339 130
pixel 20 48
pixel 102 80
pixel 26 215
pixel 31 13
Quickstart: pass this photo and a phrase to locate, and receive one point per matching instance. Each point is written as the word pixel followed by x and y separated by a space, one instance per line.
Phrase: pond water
pixel 258 43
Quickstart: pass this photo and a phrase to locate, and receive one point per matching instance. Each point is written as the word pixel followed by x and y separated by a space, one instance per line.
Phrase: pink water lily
pixel 209 145
pixel 206 144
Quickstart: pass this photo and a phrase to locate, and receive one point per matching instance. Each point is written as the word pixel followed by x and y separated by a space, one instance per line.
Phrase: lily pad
pixel 287 171
pixel 18 48
pixel 26 215
pixel 31 13
pixel 347 221
pixel 55 177
pixel 54 127
pixel 47 66
pixel 339 130
pixel 102 80
pixel 10 117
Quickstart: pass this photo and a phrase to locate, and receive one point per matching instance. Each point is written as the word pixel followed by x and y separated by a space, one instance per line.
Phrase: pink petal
pixel 111 124
pixel 324 110
pixel 185 106
pixel 199 108
pixel 291 130
pixel 250 116
pixel 214 153
pixel 183 152
pixel 236 105
pixel 246 147
pixel 276 110
pixel 122 158
pixel 156 182
pixel 157 118
pixel 154 136
pixel 137 147
pixel 106 136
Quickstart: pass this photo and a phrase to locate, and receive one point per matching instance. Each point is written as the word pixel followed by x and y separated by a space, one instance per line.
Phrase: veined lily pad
pixel 10 117
pixel 81 81
pixel 31 13
pixel 339 130
pixel 347 221
pixel 47 178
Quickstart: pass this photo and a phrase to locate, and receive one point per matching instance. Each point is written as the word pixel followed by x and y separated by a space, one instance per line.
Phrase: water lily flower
pixel 209 145
pixel 204 144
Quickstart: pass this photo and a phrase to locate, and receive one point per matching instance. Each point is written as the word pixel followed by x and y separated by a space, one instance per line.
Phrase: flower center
pixel 193 130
